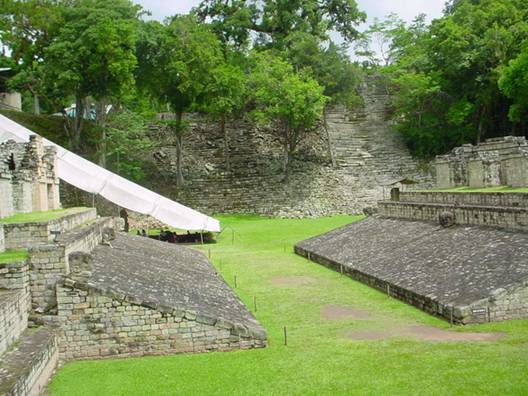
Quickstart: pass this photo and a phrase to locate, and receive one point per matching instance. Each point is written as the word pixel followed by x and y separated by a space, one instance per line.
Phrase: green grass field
pixel 12 256
pixel 319 358
pixel 35 217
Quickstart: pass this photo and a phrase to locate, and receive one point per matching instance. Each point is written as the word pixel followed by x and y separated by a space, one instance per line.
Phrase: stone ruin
pixel 28 179
pixel 87 291
pixel 496 162
pixel 461 256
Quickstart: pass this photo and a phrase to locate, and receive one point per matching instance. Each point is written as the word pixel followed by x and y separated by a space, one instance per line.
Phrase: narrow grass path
pixel 319 359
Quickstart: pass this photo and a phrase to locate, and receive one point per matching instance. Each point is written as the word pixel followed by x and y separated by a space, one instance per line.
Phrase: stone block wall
pixel 503 217
pixel 517 200
pixel 48 266
pixel 28 179
pixel 14 311
pixel 15 302
pixel 96 323
pixel 6 192
pixel 484 170
pixel 2 238
pixel 26 235
pixel 28 368
pixel 516 169
pixel 498 161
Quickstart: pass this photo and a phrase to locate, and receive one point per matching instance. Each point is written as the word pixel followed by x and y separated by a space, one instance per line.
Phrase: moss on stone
pixel 12 256
pixel 35 217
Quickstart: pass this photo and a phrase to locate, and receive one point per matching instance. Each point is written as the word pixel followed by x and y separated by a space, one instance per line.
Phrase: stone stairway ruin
pixel 83 289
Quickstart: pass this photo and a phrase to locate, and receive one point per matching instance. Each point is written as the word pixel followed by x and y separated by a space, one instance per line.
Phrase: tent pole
pixel 201 236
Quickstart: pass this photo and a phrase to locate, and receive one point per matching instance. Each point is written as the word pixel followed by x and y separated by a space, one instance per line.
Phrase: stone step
pixel 513 218
pixel 26 235
pixel 502 199
pixel 26 368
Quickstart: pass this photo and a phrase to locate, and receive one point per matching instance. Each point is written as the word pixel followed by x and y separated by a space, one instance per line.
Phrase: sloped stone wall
pixel 343 168
pixel 96 323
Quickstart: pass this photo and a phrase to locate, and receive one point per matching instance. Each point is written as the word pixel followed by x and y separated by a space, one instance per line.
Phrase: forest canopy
pixel 458 79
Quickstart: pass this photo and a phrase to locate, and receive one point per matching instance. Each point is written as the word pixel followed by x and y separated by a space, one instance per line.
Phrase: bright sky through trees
pixel 407 10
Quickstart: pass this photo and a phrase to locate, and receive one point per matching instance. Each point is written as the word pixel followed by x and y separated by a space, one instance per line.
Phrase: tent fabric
pixel 94 179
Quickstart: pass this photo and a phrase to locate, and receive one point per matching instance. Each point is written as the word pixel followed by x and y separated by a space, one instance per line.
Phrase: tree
pixel 273 21
pixel 126 143
pixel 93 55
pixel 27 28
pixel 292 103
pixel 513 83
pixel 176 64
pixel 226 95
pixel 376 43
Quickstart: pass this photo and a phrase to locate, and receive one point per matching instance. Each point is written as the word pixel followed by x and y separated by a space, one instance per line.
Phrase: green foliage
pixel 330 66
pixel 94 51
pixel 514 84
pixel 319 358
pixel 127 141
pixel 461 56
pixel 226 91
pixel 176 61
pixel 291 102
pixel 273 21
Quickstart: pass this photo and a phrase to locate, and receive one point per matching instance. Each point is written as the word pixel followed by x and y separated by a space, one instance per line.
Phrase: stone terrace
pixel 162 274
pixel 466 274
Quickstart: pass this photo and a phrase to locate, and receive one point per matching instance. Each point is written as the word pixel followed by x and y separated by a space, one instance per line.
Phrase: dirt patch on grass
pixel 338 312
pixel 422 333
pixel 428 333
pixel 293 280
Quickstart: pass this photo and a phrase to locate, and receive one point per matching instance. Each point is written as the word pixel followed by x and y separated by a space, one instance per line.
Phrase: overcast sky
pixel 406 9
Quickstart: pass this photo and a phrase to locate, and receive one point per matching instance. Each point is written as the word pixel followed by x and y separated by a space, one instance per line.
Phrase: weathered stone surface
pixel 162 274
pixel 497 161
pixel 448 271
pixel 343 168
pixel 28 179
pixel 26 369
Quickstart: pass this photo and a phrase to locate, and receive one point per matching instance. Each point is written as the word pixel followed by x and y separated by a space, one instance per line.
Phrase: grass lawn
pixel 12 256
pixel 35 217
pixel 487 189
pixel 319 358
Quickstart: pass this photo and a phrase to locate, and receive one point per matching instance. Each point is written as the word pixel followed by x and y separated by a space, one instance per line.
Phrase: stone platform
pixel 27 367
pixel 465 274
pixel 137 296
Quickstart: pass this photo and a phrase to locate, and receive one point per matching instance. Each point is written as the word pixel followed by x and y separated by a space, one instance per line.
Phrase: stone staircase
pixel 28 355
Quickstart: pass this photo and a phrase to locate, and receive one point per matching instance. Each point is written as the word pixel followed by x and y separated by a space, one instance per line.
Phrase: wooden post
pixel 285 336
pixel 255 303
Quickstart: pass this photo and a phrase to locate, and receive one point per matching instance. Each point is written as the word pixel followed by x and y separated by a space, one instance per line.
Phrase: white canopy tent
pixel 94 179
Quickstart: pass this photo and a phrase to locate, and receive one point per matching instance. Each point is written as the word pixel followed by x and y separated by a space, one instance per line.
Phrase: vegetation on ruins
pixel 11 256
pixel 320 358
pixel 292 101
pixel 460 79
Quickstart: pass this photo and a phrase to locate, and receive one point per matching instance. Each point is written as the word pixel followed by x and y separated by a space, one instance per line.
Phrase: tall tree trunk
pixel 226 142
pixel 100 122
pixel 480 130
pixel 36 104
pixel 179 149
pixel 73 125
